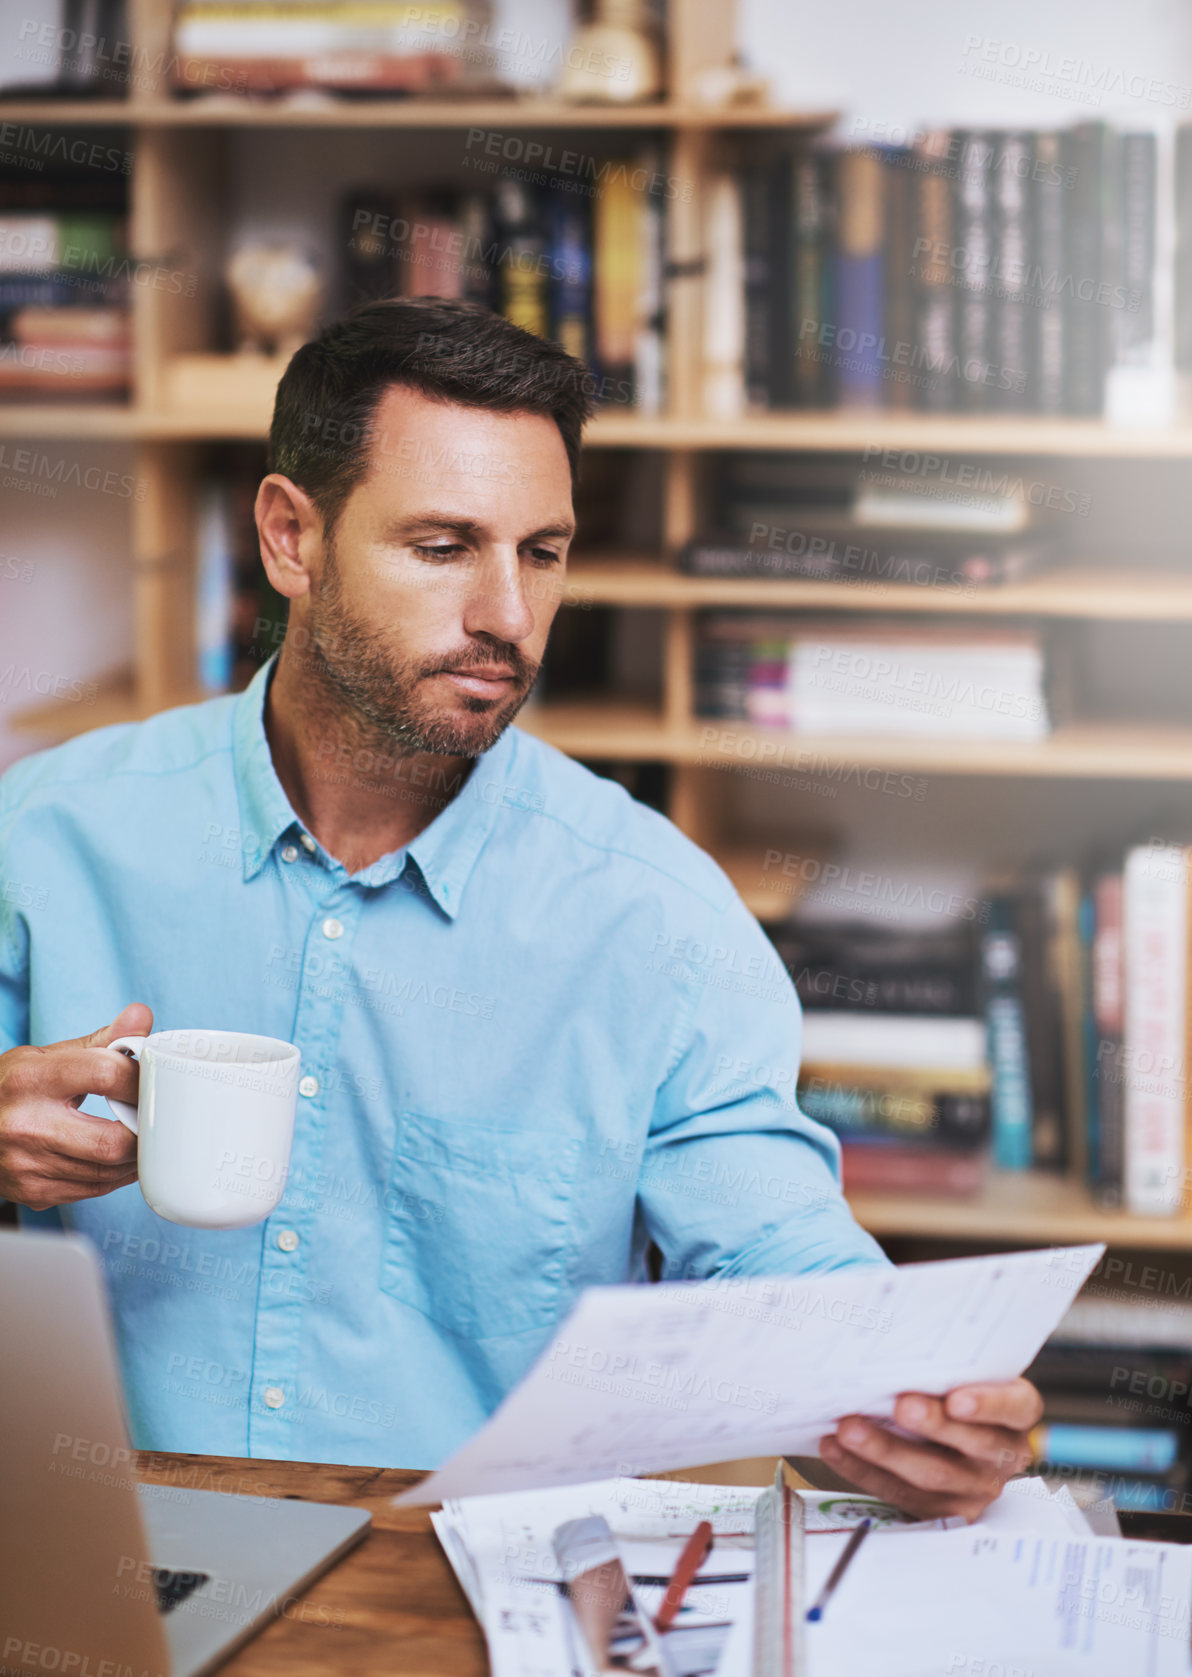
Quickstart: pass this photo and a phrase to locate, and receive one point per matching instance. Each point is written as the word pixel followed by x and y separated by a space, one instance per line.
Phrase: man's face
pixel 429 610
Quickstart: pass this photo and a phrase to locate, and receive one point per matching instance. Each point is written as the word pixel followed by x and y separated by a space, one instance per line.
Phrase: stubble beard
pixel 381 694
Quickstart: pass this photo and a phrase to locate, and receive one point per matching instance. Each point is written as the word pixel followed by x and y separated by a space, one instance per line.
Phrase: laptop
pixel 101 1576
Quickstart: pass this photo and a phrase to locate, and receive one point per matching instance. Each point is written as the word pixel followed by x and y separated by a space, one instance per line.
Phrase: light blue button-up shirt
pixel 543 1034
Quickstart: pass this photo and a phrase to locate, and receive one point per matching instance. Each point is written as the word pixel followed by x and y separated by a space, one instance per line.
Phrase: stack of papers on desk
pixel 501 1548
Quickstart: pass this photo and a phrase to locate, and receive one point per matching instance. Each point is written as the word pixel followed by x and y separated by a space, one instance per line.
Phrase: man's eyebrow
pixel 562 527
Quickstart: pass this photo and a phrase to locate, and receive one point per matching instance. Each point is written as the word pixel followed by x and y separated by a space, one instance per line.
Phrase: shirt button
pixel 333 929
pixel 274 1396
pixel 287 1240
pixel 290 853
pixel 307 843
pixel 309 1086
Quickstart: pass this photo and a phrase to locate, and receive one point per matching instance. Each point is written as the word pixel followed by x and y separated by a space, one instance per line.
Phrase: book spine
pixel 1013 360
pixel 809 277
pixel 900 284
pixel 1063 891
pixel 724 299
pixel 934 356
pixel 974 221
pixel 1049 316
pixel 1001 962
pixel 649 325
pixel 570 275
pixel 1107 1012
pixel 759 282
pixel 1154 917
pixel 860 280
pixel 1135 321
pixel 1084 374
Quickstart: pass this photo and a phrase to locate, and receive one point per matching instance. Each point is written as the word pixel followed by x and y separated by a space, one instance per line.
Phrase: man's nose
pixel 500 604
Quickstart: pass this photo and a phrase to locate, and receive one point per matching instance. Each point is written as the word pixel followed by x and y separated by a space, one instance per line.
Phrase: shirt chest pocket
pixel 478 1226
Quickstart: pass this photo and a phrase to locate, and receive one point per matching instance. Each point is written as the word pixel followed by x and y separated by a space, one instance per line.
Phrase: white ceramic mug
pixel 214 1121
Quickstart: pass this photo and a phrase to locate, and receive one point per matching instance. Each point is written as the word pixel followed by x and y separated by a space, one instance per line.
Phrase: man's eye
pixel 544 555
pixel 441 550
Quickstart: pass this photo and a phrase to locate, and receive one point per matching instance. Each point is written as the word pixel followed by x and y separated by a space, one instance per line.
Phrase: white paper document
pixel 975 1602
pixel 503 1553
pixel 643 1379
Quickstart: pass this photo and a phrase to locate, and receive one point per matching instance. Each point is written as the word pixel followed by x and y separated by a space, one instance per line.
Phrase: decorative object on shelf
pixel 277 293
pixel 615 57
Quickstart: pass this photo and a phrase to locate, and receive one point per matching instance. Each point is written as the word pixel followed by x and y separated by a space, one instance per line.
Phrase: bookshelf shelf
pixel 243 407
pixel 330 112
pixel 621 730
pixel 1084 591
pixel 1030 1208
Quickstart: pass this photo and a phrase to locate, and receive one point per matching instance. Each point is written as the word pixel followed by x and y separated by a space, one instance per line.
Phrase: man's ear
pixel 291 534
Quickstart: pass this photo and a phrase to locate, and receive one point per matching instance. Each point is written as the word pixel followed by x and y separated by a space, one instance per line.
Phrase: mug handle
pixel 128 1045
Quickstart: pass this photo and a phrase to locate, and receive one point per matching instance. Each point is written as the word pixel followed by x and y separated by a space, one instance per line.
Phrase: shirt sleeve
pixel 14 941
pixel 735 1179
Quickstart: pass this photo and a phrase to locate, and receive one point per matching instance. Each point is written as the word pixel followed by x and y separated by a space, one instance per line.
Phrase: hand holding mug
pixel 50 1152
pixel 215 1123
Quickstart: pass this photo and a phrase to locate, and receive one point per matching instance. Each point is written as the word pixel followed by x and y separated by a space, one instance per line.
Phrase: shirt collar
pixel 265 812
pixel 445 852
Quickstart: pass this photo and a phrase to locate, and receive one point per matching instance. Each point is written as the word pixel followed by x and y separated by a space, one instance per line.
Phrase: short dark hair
pixel 445 348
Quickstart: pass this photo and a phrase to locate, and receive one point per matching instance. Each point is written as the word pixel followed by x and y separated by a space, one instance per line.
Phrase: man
pixel 538 1028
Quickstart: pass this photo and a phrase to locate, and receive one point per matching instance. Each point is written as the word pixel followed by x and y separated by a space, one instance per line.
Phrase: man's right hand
pixel 50 1152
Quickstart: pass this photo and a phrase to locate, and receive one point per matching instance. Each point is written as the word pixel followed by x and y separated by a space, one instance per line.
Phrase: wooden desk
pixel 392 1606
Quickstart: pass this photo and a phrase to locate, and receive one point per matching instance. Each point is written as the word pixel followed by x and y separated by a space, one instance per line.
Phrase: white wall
pixel 963 62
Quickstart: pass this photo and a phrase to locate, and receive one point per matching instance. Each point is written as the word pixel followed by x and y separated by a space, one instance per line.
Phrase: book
pixel 1107 1007
pixel 935 298
pixel 933 1047
pixel 913 1170
pixel 1084 150
pixel 898 327
pixel 859 278
pixel 1154 1037
pixel 521 272
pixel 1001 966
pixel 975 233
pixel 617 282
pixel 374 46
pixel 859 967
pixel 723 389
pixel 1011 351
pixel 808 276
pixel 941 1120
pixel 1047 308
pixel 569 273
pixel 831 550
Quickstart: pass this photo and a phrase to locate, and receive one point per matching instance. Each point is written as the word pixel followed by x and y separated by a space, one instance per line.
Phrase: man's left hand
pixel 966 1446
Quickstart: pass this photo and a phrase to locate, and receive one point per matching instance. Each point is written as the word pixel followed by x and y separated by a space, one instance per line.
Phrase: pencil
pixel 838 1571
pixel 694 1554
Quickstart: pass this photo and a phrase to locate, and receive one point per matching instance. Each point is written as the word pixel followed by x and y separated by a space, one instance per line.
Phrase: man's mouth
pixel 487 681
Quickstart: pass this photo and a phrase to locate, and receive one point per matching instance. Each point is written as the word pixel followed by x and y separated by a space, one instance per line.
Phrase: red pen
pixel 695 1552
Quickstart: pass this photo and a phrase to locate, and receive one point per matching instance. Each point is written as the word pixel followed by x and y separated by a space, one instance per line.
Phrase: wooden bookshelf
pixel 1031 1208
pixel 186 393
pixel 1093 592
pixel 315 110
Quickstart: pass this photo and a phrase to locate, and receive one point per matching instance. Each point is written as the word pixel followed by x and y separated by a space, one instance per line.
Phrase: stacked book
pixel 1116 1377
pixel 893 1052
pixel 64 285
pixel 969 270
pixel 582 267
pixel 368 46
pixel 903 680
